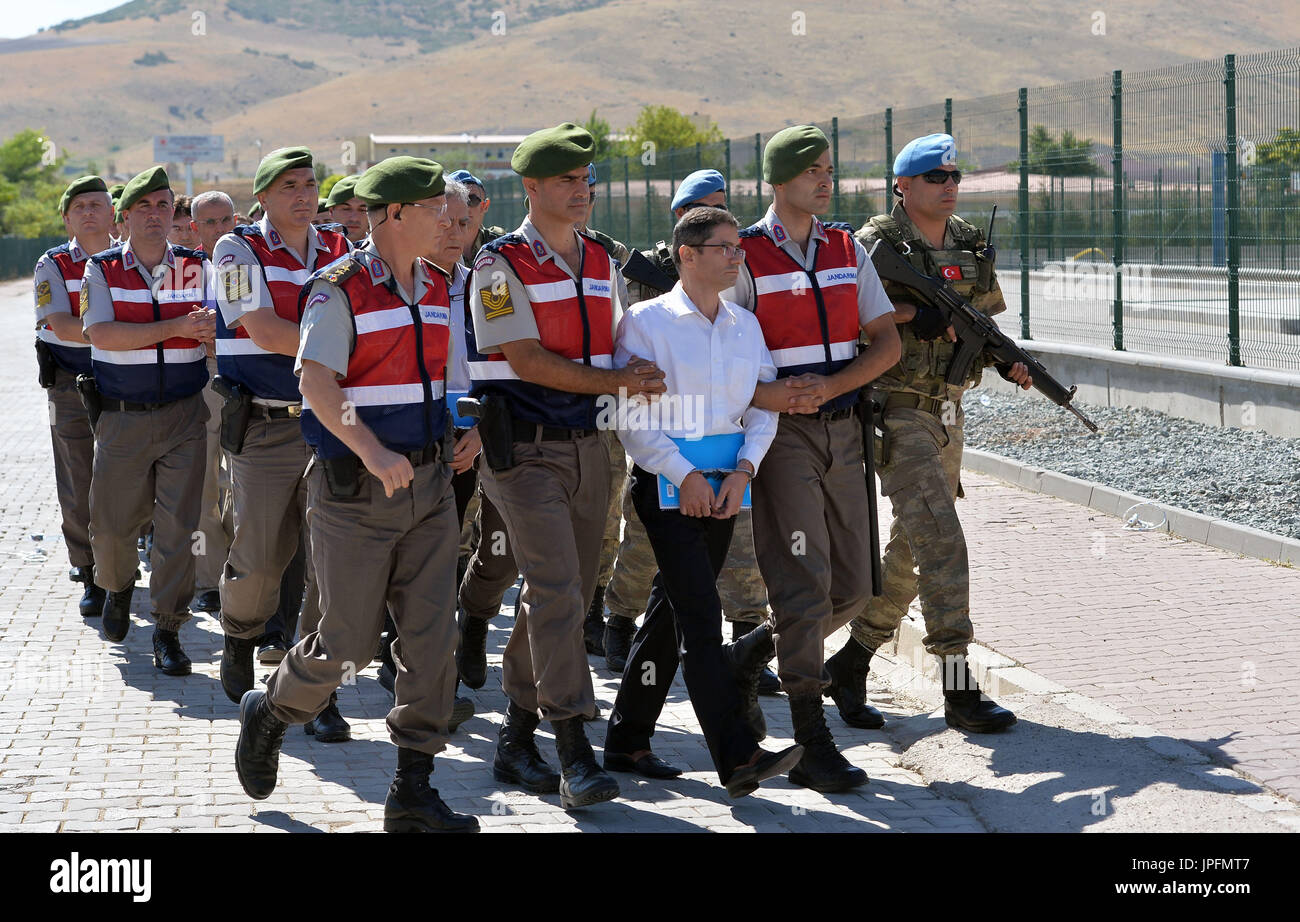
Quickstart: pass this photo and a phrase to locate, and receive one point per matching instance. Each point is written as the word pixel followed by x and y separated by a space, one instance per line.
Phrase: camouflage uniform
pixel 923 426
pixel 660 257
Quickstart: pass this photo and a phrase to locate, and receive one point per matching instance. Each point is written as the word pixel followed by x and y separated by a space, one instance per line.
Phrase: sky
pixel 19 19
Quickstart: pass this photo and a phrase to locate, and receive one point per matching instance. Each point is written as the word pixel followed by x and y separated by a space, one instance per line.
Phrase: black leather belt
pixel 524 431
pixel 108 403
pixel 430 454
pixel 265 412
pixel 842 413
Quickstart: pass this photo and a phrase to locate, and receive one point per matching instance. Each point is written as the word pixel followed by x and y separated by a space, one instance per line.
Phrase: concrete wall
pixel 1244 398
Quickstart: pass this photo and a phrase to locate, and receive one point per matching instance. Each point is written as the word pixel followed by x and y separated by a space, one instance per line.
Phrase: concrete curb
pixel 1227 536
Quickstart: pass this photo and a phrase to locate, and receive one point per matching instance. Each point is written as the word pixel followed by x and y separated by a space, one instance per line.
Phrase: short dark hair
pixel 182 205
pixel 695 226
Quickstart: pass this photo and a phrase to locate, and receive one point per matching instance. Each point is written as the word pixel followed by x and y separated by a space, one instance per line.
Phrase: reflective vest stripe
pixel 501 371
pixel 807 355
pixel 282 274
pixel 148 356
pixel 386 395
pixel 47 335
pixel 241 347
pixel 389 319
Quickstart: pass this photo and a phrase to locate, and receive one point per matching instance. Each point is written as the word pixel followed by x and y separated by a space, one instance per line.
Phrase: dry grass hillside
pixel 297 75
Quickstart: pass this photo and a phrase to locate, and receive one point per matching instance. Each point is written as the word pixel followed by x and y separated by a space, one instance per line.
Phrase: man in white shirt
pixel 713 356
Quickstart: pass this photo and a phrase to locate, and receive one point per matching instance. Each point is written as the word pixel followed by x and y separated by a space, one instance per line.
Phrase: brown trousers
pixel 216 519
pixel 149 465
pixel 810 511
pixel 74 456
pixel 555 502
pixel 372 551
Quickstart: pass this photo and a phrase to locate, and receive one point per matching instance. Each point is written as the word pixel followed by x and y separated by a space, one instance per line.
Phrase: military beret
pixel 466 177
pixel 321 206
pixel 140 185
pixel 115 191
pixel 924 154
pixel 276 162
pixel 342 191
pixel 400 179
pixel 697 185
pixel 553 151
pixel 791 151
pixel 77 187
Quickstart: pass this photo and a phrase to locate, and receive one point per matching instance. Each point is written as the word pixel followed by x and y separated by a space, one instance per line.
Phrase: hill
pixel 328 71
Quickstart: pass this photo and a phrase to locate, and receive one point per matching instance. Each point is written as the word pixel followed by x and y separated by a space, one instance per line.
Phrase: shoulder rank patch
pixel 496 304
pixel 341 270
pixel 85 300
pixel 43 296
pixel 237 283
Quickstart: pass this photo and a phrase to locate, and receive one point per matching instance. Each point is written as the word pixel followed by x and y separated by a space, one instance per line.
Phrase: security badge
pixel 496 304
pixel 43 295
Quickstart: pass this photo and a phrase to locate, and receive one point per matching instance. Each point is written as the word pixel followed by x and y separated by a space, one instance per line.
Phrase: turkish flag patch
pixel 952 272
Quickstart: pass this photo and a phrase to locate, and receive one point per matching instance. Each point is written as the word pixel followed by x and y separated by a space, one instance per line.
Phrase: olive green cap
pixel 553 151
pixel 400 179
pixel 342 191
pixel 276 162
pixel 77 187
pixel 791 151
pixel 140 185
pixel 115 191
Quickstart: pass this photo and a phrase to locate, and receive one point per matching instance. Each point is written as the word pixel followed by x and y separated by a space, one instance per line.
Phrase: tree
pixel 1068 156
pixel 599 129
pixel 30 186
pixel 1282 152
pixel 667 128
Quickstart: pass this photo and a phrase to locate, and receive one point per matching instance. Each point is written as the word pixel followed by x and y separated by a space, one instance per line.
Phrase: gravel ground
pixel 1242 476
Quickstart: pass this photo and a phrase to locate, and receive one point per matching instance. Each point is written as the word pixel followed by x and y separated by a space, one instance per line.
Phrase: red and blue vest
pixel 573 322
pixel 269 375
pixel 73 357
pixel 169 370
pixel 397 368
pixel 809 319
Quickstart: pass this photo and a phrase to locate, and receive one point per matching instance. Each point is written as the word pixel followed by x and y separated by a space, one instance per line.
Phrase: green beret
pixel 115 191
pixel 276 162
pixel 342 191
pixel 151 180
pixel 77 187
pixel 398 180
pixel 791 151
pixel 553 151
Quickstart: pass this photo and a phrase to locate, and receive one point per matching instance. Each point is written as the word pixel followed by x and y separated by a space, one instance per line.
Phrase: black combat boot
pixel 237 666
pixel 518 761
pixel 848 670
pixel 413 806
pixel 471 653
pixel 329 726
pixel 822 767
pixel 117 613
pixel 167 653
pixel 582 781
pixel 593 628
pixel 768 683
pixel 748 656
pixel 964 706
pixel 209 600
pixel 257 754
pixel 92 597
pixel 619 632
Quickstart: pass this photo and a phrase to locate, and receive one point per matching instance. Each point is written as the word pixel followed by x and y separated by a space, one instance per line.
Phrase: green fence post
pixel 758 174
pixel 627 198
pixel 1160 218
pixel 1023 205
pixel 889 160
pixel 649 218
pixel 1198 214
pixel 835 160
pixel 699 156
pixel 1234 205
pixel 947 115
pixel 1117 203
pixel 726 147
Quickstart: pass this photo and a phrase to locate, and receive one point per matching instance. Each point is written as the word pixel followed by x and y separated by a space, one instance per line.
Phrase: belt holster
pixel 236 410
pixel 46 367
pixel 90 398
pixel 496 430
pixel 342 476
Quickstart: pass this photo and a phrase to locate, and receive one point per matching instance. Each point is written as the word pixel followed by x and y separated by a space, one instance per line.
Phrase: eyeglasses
pixel 939 177
pixel 437 210
pixel 214 222
pixel 475 200
pixel 729 250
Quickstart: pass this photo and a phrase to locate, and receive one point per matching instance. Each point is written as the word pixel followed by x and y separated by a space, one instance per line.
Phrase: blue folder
pixel 711 453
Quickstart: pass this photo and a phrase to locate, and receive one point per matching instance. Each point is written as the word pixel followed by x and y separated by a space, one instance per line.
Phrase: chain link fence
pixel 1152 212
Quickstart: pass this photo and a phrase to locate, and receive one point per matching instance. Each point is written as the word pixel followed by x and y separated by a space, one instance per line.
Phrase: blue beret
pixel 697 185
pixel 466 177
pixel 924 154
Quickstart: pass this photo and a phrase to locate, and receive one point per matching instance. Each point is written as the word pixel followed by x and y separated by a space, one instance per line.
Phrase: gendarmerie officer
pixel 63 354
pixel 814 291
pixel 261 269
pixel 372 359
pixel 545 301
pixel 145 311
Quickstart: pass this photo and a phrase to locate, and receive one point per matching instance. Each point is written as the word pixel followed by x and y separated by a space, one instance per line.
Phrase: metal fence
pixel 1169 225
pixel 18 255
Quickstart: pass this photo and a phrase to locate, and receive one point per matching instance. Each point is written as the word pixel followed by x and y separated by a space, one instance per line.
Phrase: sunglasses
pixel 939 177
pixel 475 200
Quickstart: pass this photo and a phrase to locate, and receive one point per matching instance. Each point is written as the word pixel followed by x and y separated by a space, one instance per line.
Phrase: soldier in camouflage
pixel 919 458
pixel 744 597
